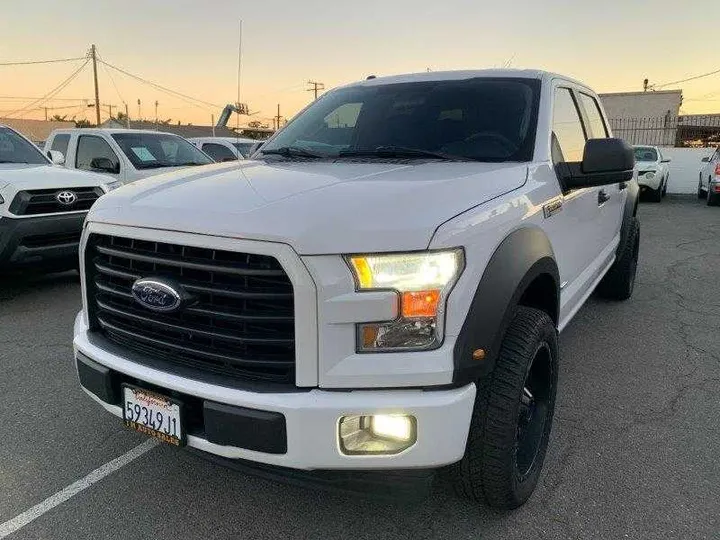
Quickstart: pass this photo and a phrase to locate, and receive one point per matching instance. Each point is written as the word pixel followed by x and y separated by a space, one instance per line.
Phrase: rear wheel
pixel 664 189
pixel 512 418
pixel 619 282
pixel 656 194
pixel 713 199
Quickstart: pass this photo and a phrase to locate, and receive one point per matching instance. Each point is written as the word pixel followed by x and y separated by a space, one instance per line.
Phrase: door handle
pixel 603 197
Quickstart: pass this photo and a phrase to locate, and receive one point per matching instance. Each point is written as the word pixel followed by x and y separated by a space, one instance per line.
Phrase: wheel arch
pixel 521 271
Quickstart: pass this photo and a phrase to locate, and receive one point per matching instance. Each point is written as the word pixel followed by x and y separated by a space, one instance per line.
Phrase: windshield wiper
pixel 402 152
pixel 11 161
pixel 292 151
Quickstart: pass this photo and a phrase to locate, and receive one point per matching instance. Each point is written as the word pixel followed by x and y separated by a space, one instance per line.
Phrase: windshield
pixel 156 150
pixel 15 149
pixel 483 119
pixel 646 154
pixel 244 148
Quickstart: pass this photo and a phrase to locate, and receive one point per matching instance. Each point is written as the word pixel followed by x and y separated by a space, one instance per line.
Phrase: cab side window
pixel 95 154
pixel 218 152
pixel 568 135
pixel 596 124
pixel 60 143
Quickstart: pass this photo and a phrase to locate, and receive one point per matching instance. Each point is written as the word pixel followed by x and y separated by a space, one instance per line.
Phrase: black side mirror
pixel 705 159
pixel 605 161
pixel 105 165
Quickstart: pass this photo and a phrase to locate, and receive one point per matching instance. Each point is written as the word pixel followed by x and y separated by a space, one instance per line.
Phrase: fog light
pixel 377 434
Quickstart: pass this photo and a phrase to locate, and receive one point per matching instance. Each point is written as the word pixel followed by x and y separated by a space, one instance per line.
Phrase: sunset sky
pixel 192 46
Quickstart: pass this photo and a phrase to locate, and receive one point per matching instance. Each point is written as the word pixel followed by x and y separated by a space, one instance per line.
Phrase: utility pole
pixel 156 115
pixel 110 108
pixel 93 54
pixel 278 117
pixel 315 87
pixel 139 112
pixel 127 116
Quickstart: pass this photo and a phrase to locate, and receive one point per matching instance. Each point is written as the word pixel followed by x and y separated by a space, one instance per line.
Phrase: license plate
pixel 153 414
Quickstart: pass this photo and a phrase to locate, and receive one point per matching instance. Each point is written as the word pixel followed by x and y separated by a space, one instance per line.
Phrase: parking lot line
pixel 19 521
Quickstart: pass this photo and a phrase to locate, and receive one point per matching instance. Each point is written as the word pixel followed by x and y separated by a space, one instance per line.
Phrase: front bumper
pixel 646 184
pixel 310 416
pixel 40 241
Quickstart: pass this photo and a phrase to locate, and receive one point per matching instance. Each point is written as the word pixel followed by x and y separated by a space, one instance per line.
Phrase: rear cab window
pixel 60 143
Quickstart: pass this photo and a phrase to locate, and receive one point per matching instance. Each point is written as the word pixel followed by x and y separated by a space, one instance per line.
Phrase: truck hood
pixel 22 176
pixel 316 207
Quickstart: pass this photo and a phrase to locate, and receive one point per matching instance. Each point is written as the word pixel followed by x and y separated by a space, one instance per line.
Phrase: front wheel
pixel 619 282
pixel 511 422
pixel 713 199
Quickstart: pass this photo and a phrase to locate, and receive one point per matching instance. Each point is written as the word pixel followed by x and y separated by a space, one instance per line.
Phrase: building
pixel 36 130
pixel 644 117
pixel 186 131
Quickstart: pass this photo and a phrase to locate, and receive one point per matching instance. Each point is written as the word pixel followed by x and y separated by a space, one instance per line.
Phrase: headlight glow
pixel 423 281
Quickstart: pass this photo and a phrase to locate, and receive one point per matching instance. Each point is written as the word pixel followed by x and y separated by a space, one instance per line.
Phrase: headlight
pixel 112 185
pixel 649 175
pixel 423 282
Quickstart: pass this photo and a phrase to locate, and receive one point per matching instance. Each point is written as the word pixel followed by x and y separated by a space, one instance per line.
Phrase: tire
pixel 512 418
pixel 701 192
pixel 664 189
pixel 655 195
pixel 713 199
pixel 619 282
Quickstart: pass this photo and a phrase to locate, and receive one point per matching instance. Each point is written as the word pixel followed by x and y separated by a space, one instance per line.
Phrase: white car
pixel 42 207
pixel 126 155
pixel 225 148
pixel 653 171
pixel 709 181
pixel 380 289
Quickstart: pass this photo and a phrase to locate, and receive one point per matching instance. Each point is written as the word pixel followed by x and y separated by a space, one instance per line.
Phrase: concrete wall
pixel 685 168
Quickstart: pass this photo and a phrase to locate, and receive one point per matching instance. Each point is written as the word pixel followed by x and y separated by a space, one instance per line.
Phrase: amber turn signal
pixel 417 304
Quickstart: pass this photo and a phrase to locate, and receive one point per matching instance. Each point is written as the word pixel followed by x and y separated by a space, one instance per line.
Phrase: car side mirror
pixel 105 165
pixel 666 160
pixel 605 161
pixel 705 159
pixel 56 157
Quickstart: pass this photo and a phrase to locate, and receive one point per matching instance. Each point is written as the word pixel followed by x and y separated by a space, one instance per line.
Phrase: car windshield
pixel 15 149
pixel 646 154
pixel 244 148
pixel 156 150
pixel 481 119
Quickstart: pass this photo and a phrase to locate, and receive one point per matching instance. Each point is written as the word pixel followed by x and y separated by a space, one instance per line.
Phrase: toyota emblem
pixel 66 197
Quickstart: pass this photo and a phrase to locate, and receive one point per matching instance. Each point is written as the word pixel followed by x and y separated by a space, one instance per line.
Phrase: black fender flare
pixel 524 255
pixel 629 211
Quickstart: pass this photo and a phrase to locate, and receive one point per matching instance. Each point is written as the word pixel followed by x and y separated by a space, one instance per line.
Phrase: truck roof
pixel 110 131
pixel 464 74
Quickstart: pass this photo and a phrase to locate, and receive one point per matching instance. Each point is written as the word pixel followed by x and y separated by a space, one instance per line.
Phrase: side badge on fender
pixel 553 207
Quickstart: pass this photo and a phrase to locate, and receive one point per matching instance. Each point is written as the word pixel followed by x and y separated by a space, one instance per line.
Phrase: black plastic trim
pixel 98 379
pixel 523 256
pixel 262 431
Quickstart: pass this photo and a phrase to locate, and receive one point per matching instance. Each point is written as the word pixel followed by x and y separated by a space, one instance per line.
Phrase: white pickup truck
pixel 123 154
pixel 42 207
pixel 377 295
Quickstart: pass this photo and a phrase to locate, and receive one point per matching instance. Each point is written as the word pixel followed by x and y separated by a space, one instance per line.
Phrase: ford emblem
pixel 157 294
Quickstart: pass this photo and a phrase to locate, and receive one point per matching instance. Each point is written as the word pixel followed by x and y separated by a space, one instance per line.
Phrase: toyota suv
pixel 377 295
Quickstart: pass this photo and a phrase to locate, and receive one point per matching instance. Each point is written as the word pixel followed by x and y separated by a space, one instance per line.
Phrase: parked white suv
pixel 380 290
pixel 123 154
pixel 42 208
pixel 653 172
pixel 225 148
pixel 709 181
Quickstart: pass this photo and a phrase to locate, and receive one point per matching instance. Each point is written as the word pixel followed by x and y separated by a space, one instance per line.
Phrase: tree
pixel 121 117
pixel 258 124
pixel 58 118
pixel 83 124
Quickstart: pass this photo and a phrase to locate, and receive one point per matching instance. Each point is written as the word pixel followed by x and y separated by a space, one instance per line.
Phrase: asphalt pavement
pixel 633 454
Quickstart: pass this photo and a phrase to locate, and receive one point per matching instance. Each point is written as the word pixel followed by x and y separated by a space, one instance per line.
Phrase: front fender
pixel 523 256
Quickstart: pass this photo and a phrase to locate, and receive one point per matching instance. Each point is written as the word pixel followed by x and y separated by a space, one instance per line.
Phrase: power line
pixel 52 92
pixel 315 87
pixel 112 80
pixel 656 86
pixel 30 63
pixel 160 87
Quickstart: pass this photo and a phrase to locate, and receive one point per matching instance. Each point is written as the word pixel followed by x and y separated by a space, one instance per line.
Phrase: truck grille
pixel 239 324
pixel 45 201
